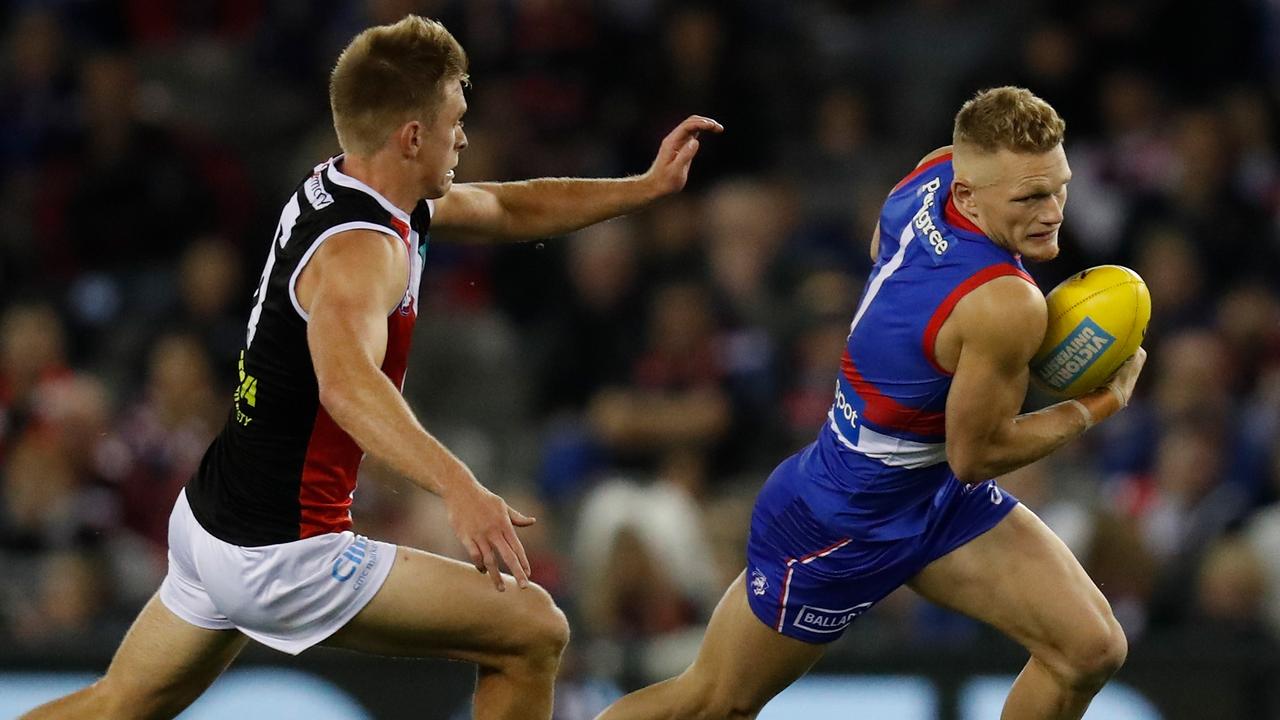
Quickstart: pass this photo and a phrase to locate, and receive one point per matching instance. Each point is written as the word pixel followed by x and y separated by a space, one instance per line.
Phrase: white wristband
pixel 1088 416
pixel 1119 395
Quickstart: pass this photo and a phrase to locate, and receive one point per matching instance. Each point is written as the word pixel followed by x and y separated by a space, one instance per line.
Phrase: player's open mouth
pixel 449 174
pixel 1042 236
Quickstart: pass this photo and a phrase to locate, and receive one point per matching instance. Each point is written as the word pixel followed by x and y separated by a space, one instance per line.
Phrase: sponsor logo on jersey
pixel 759 583
pixel 844 409
pixel 1074 355
pixel 350 560
pixel 923 220
pixel 315 191
pixel 822 620
pixel 246 394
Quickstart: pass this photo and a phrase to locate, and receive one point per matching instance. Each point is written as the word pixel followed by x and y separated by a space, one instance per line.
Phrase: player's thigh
pixel 742 662
pixel 1023 580
pixel 164 663
pixel 432 606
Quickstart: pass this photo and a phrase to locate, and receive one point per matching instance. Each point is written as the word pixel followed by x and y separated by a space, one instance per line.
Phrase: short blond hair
pixel 1010 118
pixel 391 74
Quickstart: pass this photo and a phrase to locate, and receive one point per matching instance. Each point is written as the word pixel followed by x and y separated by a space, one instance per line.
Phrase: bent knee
pixel 1094 655
pixel 544 628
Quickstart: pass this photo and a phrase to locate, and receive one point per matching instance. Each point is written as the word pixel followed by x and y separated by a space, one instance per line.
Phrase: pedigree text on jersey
pixel 923 220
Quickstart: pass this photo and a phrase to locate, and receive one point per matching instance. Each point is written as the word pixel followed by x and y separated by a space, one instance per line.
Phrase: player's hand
pixel 1126 377
pixel 670 169
pixel 485 525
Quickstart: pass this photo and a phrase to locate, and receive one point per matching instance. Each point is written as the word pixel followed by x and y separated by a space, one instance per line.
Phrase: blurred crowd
pixel 631 385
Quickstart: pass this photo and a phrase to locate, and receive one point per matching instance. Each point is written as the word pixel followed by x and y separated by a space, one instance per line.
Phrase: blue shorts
pixel 813 564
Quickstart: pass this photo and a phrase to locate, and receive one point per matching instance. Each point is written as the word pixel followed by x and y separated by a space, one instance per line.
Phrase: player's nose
pixel 1053 214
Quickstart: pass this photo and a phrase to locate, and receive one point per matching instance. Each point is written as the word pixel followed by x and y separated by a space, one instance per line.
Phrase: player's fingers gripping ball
pixel 1097 320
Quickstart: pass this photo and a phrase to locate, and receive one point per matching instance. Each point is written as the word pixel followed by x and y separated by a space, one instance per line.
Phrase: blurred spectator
pixel 163 433
pixel 644 552
pixel 1248 316
pixel 36 89
pixel 1230 587
pixel 32 355
pixel 825 301
pixel 213 301
pixel 1166 258
pixel 70 593
pixel 595 339
pixel 1190 506
pixel 676 400
pixel 122 194
pixel 672 247
pixel 1130 160
pixel 53 495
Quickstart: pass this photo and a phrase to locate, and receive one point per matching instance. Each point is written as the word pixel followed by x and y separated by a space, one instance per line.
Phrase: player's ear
pixel 409 138
pixel 962 193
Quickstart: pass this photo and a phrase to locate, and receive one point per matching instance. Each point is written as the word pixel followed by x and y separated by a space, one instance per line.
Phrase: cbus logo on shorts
pixel 349 561
pixel 822 620
pixel 1074 355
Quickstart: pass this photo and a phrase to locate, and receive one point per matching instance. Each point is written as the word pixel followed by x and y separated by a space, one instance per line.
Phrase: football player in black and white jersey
pixel 260 541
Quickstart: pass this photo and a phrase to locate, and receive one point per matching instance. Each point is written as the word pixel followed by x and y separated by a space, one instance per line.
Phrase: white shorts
pixel 289 596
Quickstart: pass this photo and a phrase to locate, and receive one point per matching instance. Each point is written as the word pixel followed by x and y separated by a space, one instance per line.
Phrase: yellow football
pixel 1097 320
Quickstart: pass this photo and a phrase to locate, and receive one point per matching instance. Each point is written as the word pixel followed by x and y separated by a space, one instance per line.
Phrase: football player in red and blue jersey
pixel 898 488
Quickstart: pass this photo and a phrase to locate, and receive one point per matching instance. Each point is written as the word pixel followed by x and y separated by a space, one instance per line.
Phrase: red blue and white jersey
pixel 886 431
pixel 869 504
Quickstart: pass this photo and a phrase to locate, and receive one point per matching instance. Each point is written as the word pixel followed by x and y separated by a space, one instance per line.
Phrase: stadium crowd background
pixel 632 385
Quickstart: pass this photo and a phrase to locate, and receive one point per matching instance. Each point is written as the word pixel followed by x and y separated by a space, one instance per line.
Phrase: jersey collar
pixel 345 180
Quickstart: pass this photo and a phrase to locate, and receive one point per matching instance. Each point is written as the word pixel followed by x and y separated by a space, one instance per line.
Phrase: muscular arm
pixel 530 209
pixel 999 327
pixel 545 207
pixel 347 289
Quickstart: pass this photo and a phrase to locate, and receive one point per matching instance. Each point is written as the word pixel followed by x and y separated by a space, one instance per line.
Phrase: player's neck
pixel 978 224
pixel 384 177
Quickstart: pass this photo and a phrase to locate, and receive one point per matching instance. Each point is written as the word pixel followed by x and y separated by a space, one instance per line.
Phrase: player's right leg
pixel 1021 579
pixel 163 664
pixel 741 665
pixel 430 606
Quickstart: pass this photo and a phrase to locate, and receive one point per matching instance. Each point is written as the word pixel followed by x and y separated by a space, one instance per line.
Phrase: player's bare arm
pixel 991 337
pixel 348 289
pixel 547 207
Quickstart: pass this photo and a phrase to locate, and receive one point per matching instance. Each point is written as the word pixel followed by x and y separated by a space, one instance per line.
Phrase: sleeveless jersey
pixel 282 469
pixel 885 439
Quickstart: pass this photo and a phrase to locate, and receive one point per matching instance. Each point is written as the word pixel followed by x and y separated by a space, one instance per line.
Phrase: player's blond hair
pixel 1011 118
pixel 391 74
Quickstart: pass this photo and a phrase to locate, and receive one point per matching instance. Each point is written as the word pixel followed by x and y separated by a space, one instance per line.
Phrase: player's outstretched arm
pixel 1000 326
pixel 348 288
pixel 546 207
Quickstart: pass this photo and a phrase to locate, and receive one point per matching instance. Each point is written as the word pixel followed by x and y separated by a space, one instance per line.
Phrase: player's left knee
pixel 1096 655
pixel 545 628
